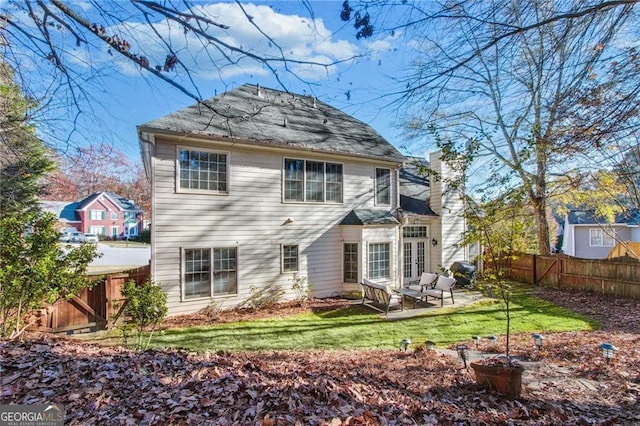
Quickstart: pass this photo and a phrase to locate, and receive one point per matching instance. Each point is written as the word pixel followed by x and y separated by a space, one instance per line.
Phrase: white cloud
pixel 290 37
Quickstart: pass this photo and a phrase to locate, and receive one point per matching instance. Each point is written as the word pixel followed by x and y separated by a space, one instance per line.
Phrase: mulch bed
pixel 568 383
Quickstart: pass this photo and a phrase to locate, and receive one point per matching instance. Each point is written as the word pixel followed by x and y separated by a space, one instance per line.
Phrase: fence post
pixel 535 270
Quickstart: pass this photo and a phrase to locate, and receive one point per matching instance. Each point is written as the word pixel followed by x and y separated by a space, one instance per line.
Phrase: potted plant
pixel 498 224
pixel 502 373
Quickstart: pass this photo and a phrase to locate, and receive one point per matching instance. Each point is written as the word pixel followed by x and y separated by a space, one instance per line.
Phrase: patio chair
pixel 427 281
pixel 443 288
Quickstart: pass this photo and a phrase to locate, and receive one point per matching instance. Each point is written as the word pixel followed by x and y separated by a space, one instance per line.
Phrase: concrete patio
pixel 462 297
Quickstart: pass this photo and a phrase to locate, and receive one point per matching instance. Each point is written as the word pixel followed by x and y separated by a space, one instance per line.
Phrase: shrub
pixel 145 306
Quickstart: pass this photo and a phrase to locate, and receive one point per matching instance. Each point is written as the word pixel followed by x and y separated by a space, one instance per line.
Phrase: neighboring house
pixel 258 186
pixel 102 213
pixel 589 237
pixel 65 211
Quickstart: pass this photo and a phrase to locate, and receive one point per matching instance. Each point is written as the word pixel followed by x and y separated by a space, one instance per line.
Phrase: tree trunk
pixel 542 225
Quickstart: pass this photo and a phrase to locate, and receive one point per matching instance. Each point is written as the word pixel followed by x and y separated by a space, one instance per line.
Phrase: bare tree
pixel 511 85
pixel 62 50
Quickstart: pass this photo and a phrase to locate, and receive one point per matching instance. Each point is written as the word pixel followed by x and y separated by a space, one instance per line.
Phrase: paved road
pixel 112 256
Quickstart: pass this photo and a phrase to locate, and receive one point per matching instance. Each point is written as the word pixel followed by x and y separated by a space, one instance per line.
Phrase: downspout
pixel 398 214
pixel 147 142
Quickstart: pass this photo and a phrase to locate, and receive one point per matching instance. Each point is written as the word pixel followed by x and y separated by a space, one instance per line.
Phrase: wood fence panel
pixel 93 308
pixel 614 277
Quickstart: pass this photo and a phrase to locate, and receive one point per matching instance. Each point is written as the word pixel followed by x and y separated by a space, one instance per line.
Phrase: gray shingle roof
pixel 415 189
pixel 277 118
pixel 369 217
pixel 64 210
pixel 588 217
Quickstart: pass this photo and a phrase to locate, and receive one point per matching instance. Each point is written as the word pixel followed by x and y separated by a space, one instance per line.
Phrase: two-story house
pixel 101 213
pixel 257 186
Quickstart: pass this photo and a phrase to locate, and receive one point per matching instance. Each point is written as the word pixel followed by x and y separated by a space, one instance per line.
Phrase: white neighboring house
pixel 588 237
pixel 257 186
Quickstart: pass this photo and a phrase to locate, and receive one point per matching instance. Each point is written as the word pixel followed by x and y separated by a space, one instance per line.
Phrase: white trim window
pixel 379 260
pixel 97 215
pixel 290 258
pixel 350 262
pixel 383 186
pixel 599 238
pixel 98 230
pixel 209 272
pixel 201 170
pixel 114 215
pixel 312 181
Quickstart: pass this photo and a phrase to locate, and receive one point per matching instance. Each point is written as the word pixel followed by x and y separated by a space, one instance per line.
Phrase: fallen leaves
pixel 567 383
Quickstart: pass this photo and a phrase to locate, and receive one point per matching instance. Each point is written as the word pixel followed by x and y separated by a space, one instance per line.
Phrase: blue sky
pixel 121 97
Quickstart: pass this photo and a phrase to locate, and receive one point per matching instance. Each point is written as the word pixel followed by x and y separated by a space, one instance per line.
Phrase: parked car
pixel 91 238
pixel 76 237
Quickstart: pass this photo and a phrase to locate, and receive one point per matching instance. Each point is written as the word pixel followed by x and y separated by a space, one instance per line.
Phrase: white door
pixel 415 259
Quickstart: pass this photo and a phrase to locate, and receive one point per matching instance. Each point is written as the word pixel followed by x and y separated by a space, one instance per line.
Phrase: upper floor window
pixel 97 215
pixel 383 186
pixel 114 215
pixel 312 181
pixel 599 238
pixel 202 170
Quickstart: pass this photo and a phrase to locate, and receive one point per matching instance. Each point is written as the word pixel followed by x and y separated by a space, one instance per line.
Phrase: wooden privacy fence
pixel 97 308
pixel 615 277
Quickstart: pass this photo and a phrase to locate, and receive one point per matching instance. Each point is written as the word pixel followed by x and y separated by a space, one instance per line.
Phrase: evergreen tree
pixel 34 269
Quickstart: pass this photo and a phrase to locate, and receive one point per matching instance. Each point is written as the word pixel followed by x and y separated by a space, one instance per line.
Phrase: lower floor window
pixel 350 251
pixel 289 258
pixel 379 260
pixel 209 272
pixel 98 230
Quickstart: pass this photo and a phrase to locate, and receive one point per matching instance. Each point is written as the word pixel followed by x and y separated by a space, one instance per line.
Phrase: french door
pixel 415 258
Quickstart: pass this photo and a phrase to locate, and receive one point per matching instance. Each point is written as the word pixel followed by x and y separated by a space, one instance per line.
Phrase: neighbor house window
pixel 379 260
pixel 350 262
pixel 600 238
pixel 383 186
pixel 209 272
pixel 98 230
pixel 97 215
pixel 312 181
pixel 289 258
pixel 201 170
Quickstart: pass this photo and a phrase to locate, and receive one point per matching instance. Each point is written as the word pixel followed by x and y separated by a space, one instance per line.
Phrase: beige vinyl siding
pixel 252 218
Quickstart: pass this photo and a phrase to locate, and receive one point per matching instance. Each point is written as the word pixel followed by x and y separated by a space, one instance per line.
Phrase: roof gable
pixel 369 217
pixel 271 117
pixel 114 199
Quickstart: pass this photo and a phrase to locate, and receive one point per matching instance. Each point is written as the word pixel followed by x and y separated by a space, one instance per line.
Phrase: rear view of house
pixel 258 186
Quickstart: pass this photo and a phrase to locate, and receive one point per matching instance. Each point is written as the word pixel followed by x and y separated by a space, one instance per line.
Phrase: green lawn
pixel 358 327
